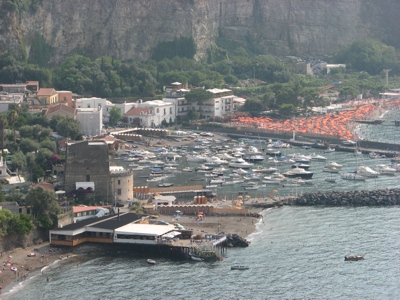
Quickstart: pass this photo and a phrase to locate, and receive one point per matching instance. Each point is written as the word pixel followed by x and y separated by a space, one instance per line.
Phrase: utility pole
pixel 387 77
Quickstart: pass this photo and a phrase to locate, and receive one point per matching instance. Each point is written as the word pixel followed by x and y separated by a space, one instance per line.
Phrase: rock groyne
pixel 387 197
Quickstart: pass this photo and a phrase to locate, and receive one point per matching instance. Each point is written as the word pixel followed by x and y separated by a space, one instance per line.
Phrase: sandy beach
pixel 17 266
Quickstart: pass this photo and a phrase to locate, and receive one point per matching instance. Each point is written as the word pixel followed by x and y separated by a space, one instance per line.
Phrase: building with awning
pixel 148 234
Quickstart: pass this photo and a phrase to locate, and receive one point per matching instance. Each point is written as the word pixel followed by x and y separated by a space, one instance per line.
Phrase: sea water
pixel 296 253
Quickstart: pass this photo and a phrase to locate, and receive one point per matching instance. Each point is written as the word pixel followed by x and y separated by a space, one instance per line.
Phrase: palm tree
pixel 12 118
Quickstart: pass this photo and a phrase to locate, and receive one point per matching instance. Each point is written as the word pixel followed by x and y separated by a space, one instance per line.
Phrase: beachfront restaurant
pixel 95 230
pixel 148 234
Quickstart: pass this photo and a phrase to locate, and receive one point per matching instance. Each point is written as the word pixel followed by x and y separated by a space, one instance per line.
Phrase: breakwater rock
pixel 386 197
pixel 233 240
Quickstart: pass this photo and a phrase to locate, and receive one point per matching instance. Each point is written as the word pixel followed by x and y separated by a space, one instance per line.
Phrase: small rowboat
pixel 353 257
pixel 239 267
pixel 151 262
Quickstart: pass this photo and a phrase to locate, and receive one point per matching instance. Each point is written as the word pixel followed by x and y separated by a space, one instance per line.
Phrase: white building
pixel 221 104
pixel 7 99
pixel 91 120
pixel 95 102
pixel 140 116
pixel 163 111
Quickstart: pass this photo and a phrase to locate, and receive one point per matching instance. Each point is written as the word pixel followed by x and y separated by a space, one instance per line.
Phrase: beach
pixel 26 266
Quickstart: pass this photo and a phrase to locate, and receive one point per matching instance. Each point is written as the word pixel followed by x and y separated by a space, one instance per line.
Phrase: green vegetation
pixel 183 47
pixel 198 95
pixel 115 116
pixel 14 224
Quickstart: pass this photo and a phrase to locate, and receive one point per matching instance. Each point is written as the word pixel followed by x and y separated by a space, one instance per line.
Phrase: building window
pixel 119 182
pixel 170 110
pixel 119 192
pixel 87 178
pixel 165 111
pixel 158 110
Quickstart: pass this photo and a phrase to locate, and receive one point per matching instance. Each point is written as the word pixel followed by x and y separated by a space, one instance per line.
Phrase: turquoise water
pixel 297 253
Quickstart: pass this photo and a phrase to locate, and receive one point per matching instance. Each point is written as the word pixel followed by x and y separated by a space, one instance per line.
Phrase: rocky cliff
pixel 133 28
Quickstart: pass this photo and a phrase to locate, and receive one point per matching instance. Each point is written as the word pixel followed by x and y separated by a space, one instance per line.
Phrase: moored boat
pixel 240 267
pixel 353 257
pixel 151 261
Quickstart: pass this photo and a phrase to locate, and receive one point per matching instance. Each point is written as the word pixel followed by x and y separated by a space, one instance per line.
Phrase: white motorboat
pixel 385 170
pixel 254 187
pixel 211 186
pixel 357 152
pixel 331 170
pixel 329 150
pixel 366 172
pixel 196 158
pixel 217 181
pixel 349 143
pixel 240 163
pixel 254 157
pixel 187 169
pixel 265 170
pixel 298 172
pixel 373 155
pixel 333 164
pixel 155 179
pixel 318 157
pixel 240 171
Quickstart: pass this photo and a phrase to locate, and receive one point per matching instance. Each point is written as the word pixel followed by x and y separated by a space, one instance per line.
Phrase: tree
pixel 18 161
pixel 42 202
pixel 48 144
pixel 3 122
pixel 5 217
pixel 12 118
pixel 28 145
pixel 287 109
pixel 115 115
pixel 193 115
pixel 20 224
pixel 253 105
pixel 368 55
pixel 69 128
pixel 198 96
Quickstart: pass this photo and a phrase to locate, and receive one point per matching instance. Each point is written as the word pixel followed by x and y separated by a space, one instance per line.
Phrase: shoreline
pixel 28 267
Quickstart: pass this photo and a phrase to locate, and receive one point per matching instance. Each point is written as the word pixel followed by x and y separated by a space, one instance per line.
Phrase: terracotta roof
pixel 46 92
pixel 46 186
pixel 60 107
pixel 135 111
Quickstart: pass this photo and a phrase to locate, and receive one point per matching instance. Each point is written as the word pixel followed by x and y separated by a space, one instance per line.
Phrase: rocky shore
pixel 387 197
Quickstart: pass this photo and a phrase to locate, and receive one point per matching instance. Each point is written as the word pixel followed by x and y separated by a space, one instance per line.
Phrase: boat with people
pixel 352 176
pixel 353 257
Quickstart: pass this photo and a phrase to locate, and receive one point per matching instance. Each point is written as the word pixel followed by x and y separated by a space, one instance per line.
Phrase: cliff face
pixel 131 29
